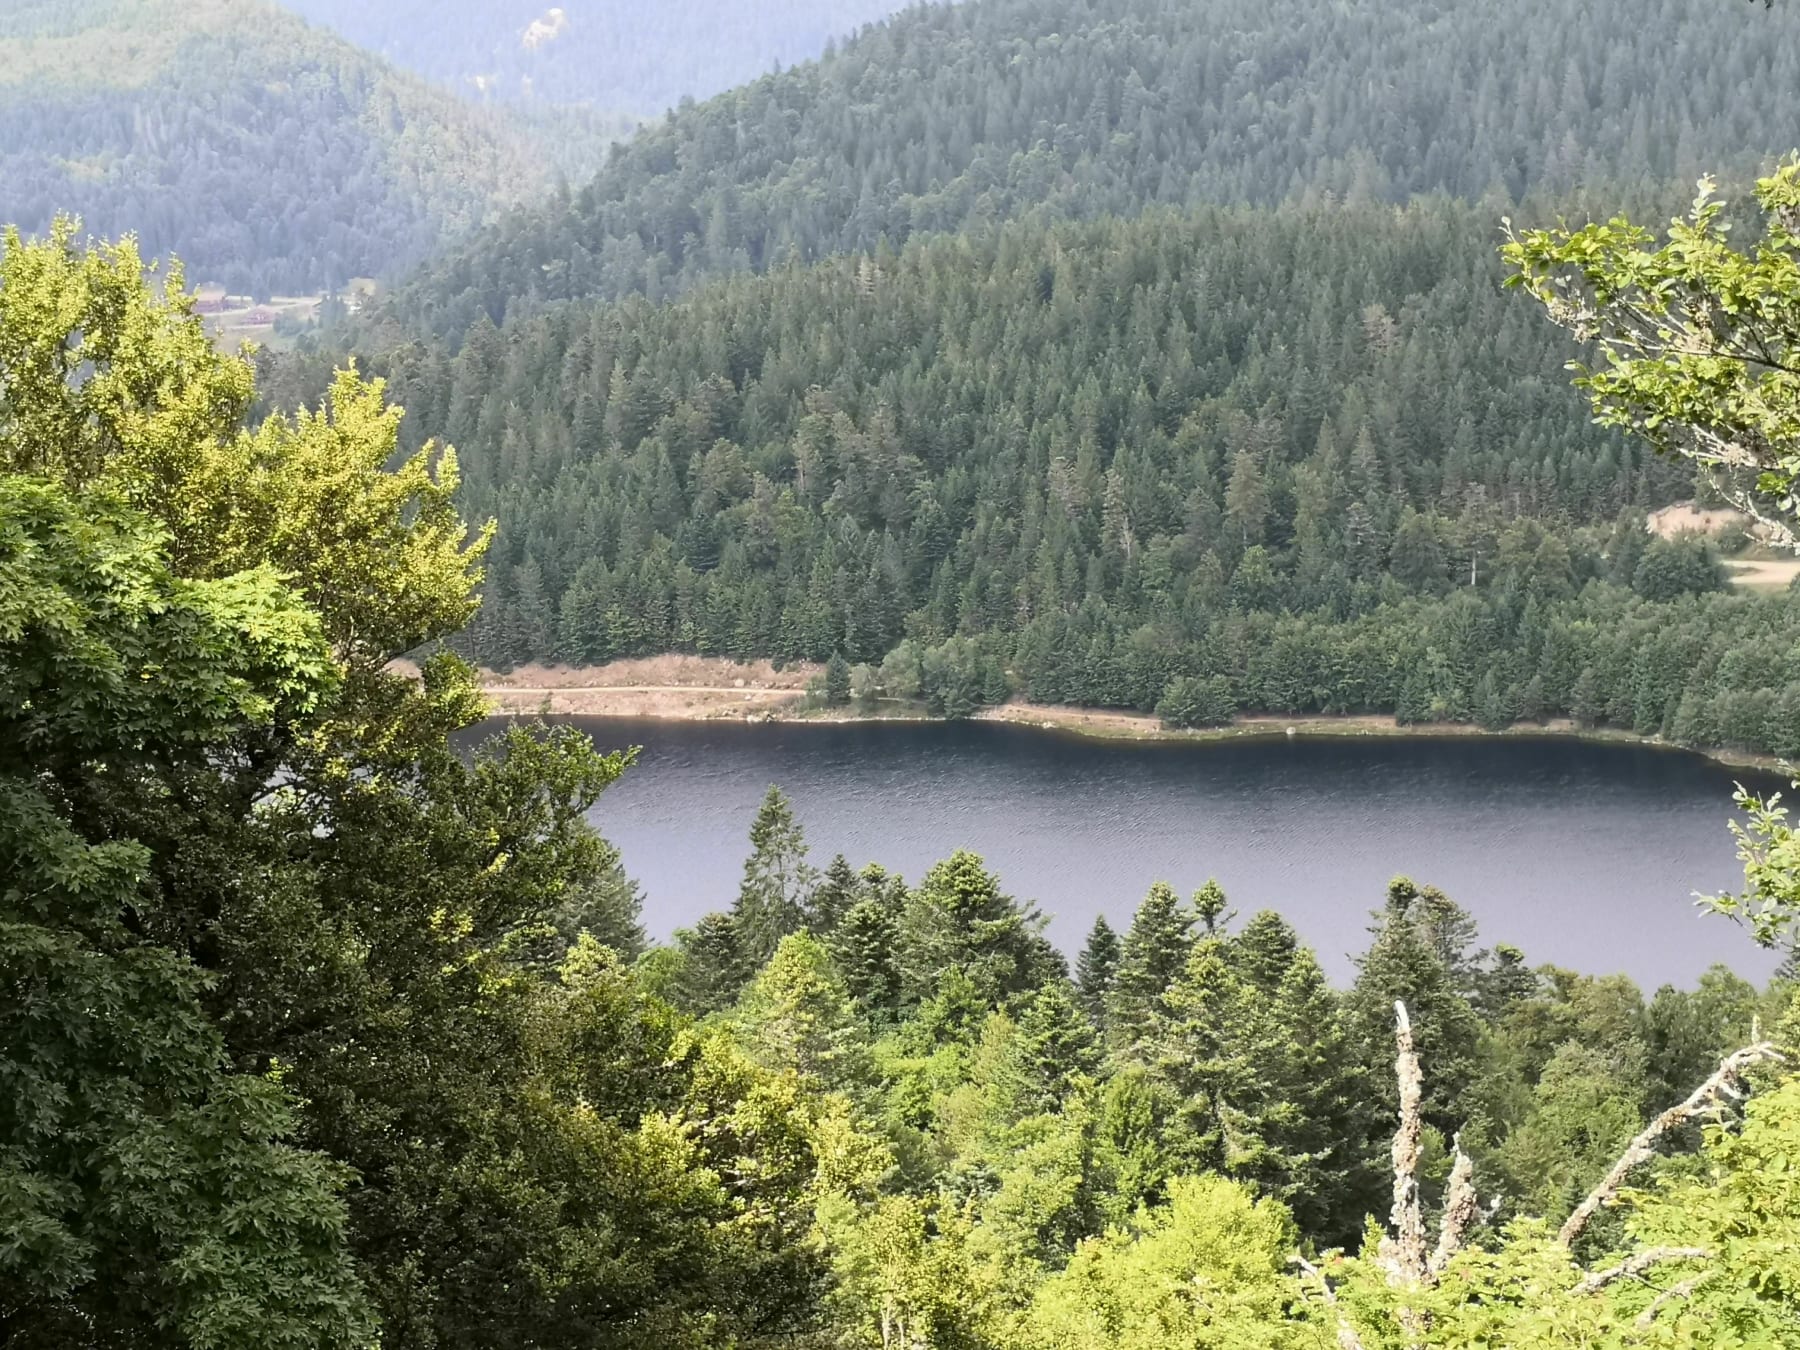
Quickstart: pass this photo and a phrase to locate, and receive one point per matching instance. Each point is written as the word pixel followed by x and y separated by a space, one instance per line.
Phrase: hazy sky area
pixel 607 54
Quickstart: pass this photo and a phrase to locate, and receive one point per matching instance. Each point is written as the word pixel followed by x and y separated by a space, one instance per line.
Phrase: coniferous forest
pixel 1027 429
pixel 1097 463
pixel 637 60
pixel 951 118
pixel 1199 360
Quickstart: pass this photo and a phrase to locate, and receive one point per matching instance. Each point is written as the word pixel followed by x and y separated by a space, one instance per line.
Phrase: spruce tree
pixel 864 949
pixel 1789 970
pixel 1405 963
pixel 1156 950
pixel 1318 1153
pixel 1097 969
pixel 1211 908
pixel 958 919
pixel 1255 1050
pixel 1506 982
pixel 832 898
pixel 1585 703
pixel 713 969
pixel 1055 1045
pixel 777 882
pixel 1202 1050
pixel 1264 950
pixel 1448 927
pixel 607 906
pixel 865 943
pixel 837 681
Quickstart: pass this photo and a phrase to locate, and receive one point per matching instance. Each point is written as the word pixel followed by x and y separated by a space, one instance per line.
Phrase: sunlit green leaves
pixel 1698 341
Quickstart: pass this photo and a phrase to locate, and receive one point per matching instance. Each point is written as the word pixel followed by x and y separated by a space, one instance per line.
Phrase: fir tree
pixel 1156 951
pixel 606 906
pixel 1585 705
pixel 836 892
pixel 777 882
pixel 1202 1050
pixel 1054 1046
pixel 1264 950
pixel 863 948
pixel 1317 1155
pixel 1097 969
pixel 865 944
pixel 1211 908
pixel 957 919
pixel 713 968
pixel 837 681
pixel 1447 926
pixel 1505 983
pixel 1405 963
pixel 1789 969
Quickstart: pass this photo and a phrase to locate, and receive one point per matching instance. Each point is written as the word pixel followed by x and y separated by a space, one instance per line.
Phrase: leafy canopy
pixel 1698 341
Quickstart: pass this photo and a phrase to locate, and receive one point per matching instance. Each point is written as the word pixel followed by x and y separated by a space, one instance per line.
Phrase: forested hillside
pixel 270 155
pixel 1309 459
pixel 959 116
pixel 632 59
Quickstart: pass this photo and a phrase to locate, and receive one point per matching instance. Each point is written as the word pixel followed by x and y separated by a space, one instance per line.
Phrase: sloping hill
pixel 608 54
pixel 1036 406
pixel 271 155
pixel 946 118
pixel 1295 459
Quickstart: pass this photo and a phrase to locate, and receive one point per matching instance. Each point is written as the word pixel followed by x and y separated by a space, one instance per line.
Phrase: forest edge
pixel 702 689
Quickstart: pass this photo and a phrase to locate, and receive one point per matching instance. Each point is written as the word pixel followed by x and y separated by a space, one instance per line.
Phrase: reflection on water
pixel 1583 855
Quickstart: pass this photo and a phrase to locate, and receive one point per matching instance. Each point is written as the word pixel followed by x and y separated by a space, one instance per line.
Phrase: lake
pixel 1585 855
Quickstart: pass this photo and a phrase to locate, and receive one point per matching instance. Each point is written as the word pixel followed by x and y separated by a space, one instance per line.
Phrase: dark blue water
pixel 1587 856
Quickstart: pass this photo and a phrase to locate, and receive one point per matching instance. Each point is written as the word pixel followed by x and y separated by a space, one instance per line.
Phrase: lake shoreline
pixel 711 689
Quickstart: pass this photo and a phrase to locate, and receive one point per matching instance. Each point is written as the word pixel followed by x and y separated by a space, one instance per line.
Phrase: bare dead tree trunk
pixel 1680 1289
pixel 1634 1266
pixel 1725 1084
pixel 1402 1251
pixel 1460 1207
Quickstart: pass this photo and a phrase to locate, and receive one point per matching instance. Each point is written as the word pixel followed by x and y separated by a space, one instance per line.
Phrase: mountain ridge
pixel 268 153
pixel 947 118
pixel 620 58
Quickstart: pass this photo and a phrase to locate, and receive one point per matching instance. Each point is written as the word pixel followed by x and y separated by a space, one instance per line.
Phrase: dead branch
pixel 1726 1083
pixel 1402 1253
pixel 1680 1289
pixel 1634 1266
pixel 1460 1208
pixel 1347 1338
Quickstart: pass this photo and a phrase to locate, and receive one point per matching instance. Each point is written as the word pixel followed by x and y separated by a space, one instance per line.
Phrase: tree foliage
pixel 951 117
pixel 274 930
pixel 147 1188
pixel 1697 339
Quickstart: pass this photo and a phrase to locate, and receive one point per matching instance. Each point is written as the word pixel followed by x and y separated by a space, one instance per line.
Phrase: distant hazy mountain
pixel 272 155
pixel 608 54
